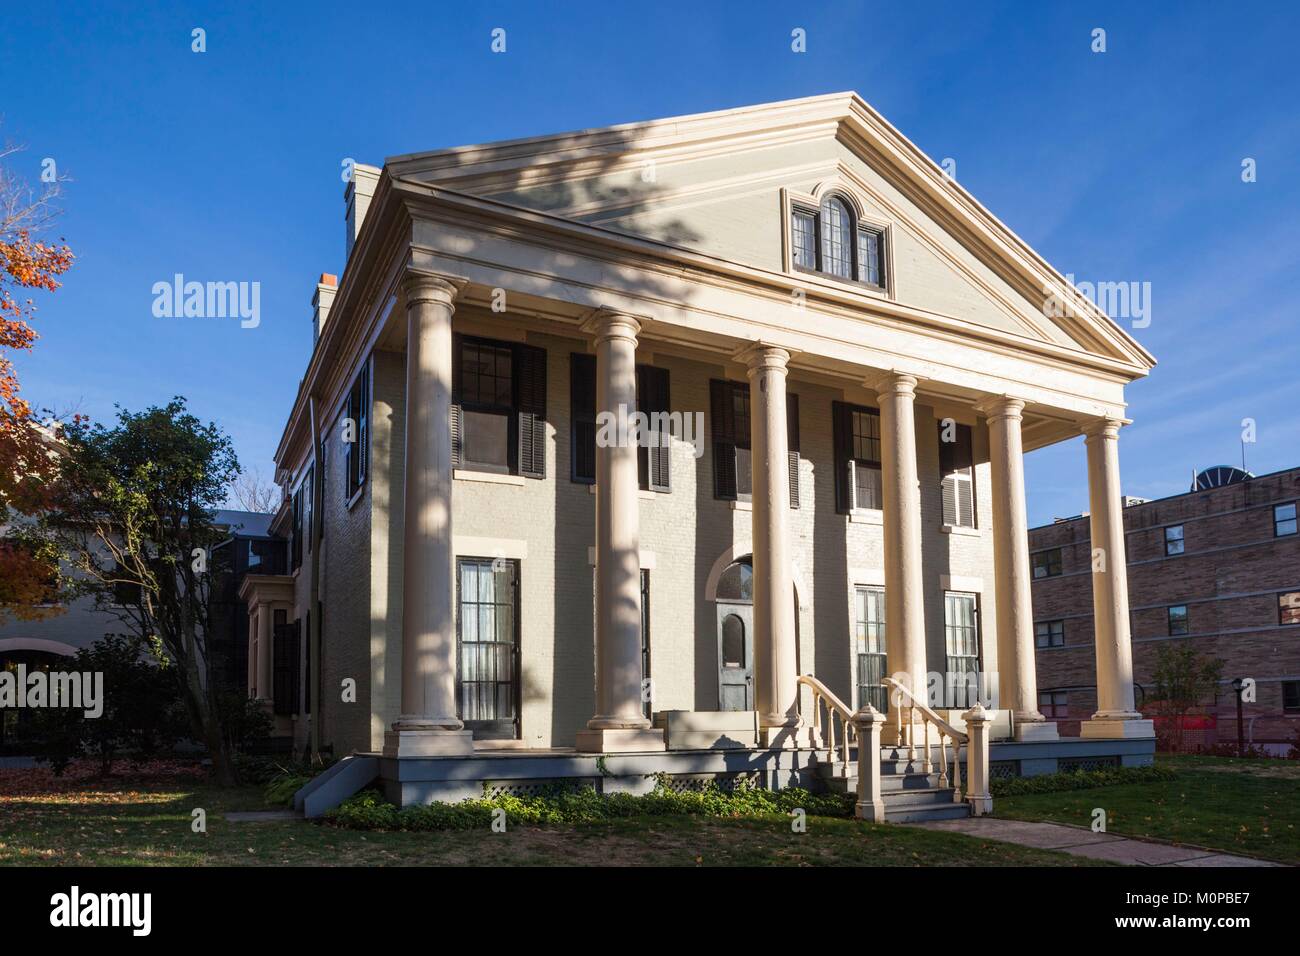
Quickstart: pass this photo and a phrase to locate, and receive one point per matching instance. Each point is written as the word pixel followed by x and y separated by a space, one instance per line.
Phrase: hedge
pixel 369 811
pixel 1080 780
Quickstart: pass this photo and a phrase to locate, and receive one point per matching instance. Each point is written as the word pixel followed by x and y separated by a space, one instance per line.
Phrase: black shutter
pixel 457 440
pixel 792 438
pixel 284 661
pixel 363 422
pixel 956 465
pixel 531 362
pixel 456 424
pixel 842 422
pixel 653 458
pixel 582 430
pixel 722 428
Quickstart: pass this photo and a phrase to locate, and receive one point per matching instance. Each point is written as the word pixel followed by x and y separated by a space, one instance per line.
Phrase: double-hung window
pixel 1173 540
pixel 957 466
pixel 729 424
pixel 869 647
pixel 654 448
pixel 961 634
pixel 356 434
pixel 857 457
pixel 1284 519
pixel 499 407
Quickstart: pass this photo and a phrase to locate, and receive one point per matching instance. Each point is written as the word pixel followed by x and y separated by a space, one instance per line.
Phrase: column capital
pixel 605 323
pixel 1001 406
pixel 1104 427
pixel 763 356
pixel 431 287
pixel 886 384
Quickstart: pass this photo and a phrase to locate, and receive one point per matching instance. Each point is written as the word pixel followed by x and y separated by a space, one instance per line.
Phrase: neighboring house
pixel 1217 568
pixel 869 349
pixel 47 641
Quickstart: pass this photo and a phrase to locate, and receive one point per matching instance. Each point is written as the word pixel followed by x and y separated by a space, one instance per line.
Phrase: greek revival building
pixel 662 435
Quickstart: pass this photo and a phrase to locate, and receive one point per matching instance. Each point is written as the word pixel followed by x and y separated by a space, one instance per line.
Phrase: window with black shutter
pixel 792 439
pixel 356 453
pixel 857 457
pixel 732 460
pixel 498 414
pixel 309 506
pixel 284 665
pixel 296 530
pixel 957 467
pixel 654 454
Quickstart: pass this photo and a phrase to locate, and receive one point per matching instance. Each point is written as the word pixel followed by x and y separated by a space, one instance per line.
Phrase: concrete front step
pixel 951 811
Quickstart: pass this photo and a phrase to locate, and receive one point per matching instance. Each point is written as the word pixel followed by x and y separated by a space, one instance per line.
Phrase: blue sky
pixel 1116 166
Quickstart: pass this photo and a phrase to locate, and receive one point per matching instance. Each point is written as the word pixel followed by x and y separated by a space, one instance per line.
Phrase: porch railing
pixel 906 709
pixel 825 701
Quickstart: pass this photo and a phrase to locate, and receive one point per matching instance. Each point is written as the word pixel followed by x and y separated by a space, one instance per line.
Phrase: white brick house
pixel 870 351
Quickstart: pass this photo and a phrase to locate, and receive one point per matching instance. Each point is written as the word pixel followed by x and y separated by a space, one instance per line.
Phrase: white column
pixel 428 723
pixel 775 654
pixel 1116 714
pixel 619 724
pixel 1017 678
pixel 904 586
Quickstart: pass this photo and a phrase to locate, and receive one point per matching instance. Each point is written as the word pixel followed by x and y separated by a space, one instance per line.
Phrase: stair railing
pixel 906 708
pixel 825 701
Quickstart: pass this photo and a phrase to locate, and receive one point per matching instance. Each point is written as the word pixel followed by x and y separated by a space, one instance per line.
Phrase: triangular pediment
pixel 722 183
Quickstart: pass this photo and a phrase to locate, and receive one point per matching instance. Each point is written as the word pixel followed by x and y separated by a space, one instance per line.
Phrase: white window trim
pixel 790 198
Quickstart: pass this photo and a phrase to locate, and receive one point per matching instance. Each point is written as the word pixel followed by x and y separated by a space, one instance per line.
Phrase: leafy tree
pixel 1183 680
pixel 132 511
pixel 26 462
pixel 142 710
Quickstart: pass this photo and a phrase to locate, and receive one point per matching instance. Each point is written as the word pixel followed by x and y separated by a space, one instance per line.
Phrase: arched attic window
pixel 832 241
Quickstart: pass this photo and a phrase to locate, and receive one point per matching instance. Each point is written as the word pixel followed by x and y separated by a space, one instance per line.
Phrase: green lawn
pixel 1249 806
pixel 149 823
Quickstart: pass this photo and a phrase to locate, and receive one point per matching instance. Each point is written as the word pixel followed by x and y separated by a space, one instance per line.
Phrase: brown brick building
pixel 1219 568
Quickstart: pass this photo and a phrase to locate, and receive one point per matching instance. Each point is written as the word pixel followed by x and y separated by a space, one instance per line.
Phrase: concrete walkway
pixel 1078 841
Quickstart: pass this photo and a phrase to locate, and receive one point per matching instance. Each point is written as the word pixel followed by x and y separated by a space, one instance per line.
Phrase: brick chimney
pixel 321 302
pixel 356 197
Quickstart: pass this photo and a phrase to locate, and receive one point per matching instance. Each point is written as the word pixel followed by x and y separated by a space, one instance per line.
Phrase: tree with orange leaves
pixel 28 569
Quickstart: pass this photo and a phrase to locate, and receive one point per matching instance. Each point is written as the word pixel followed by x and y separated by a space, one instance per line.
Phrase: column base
pixel 1116 728
pixel 620 741
pixel 1032 730
pixel 428 743
pixel 871 812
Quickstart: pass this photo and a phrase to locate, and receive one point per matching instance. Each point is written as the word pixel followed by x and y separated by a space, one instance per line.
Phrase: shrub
pixel 1080 780
pixel 369 811
pixel 279 792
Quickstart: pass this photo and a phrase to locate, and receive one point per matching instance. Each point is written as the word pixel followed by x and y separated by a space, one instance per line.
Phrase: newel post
pixel 977 760
pixel 871 800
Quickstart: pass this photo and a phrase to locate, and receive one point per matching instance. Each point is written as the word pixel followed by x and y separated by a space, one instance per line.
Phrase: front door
pixel 735 656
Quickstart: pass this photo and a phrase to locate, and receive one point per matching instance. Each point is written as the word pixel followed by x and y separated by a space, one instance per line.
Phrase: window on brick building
pixel 1288 607
pixel 1284 519
pixel 1174 540
pixel 1053 704
pixel 1049 634
pixel 1291 696
pixel 1047 564
pixel 1178 620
